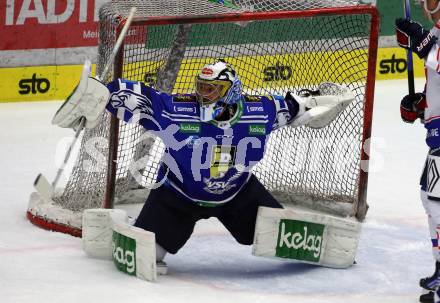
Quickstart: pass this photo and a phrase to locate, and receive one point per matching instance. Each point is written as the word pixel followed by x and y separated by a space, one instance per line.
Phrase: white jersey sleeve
pixel 432 91
pixel 433 60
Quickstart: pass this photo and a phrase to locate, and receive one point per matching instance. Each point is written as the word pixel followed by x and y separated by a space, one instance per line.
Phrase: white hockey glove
pixel 319 108
pixel 87 100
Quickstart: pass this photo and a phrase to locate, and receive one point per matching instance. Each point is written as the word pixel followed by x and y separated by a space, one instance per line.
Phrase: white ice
pixel 41 266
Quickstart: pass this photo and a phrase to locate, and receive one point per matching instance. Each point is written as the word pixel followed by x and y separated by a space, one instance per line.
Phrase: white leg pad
pixel 97 231
pixel 107 235
pixel 307 237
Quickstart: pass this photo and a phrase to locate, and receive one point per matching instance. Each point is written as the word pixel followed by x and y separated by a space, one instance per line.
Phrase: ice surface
pixel 41 266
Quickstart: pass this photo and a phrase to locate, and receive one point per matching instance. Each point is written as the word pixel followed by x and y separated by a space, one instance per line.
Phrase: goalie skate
pixel 427 297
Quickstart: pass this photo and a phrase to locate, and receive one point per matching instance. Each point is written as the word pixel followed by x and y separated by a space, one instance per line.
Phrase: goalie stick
pixel 41 184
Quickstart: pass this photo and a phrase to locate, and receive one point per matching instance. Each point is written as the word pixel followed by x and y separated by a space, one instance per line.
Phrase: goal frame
pixel 362 206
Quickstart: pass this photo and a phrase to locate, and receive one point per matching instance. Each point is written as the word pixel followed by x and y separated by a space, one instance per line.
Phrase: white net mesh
pixel 276 5
pixel 160 8
pixel 319 168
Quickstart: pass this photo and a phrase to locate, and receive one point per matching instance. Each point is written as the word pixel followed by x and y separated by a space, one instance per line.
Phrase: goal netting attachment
pixel 275 46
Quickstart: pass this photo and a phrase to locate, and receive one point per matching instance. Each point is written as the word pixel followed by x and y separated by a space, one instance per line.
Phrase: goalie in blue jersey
pixel 214 138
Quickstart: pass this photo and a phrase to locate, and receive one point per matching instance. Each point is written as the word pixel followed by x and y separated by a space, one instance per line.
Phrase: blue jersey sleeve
pixel 134 102
pixel 285 110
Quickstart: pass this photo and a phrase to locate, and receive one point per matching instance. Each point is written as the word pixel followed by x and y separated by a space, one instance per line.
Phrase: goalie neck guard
pixel 217 87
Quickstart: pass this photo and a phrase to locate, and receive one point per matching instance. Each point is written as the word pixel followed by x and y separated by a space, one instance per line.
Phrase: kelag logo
pixel 277 72
pixel 124 253
pixel 393 65
pixel 34 85
pixel 300 240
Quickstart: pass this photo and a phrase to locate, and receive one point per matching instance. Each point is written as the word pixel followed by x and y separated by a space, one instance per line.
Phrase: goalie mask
pixel 217 87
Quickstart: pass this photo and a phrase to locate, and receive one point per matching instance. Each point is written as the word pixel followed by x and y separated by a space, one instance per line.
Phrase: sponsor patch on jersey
pixel 181 98
pixel 251 108
pixel 224 136
pixel 184 109
pixel 223 158
pixel 190 128
pixel 252 98
pixel 218 187
pixel 257 129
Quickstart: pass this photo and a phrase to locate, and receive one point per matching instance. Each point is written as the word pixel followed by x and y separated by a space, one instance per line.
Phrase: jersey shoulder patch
pixel 253 98
pixel 184 98
pixel 181 106
pixel 257 98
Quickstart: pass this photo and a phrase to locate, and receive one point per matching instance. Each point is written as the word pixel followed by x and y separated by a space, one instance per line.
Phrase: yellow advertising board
pixel 392 64
pixel 40 83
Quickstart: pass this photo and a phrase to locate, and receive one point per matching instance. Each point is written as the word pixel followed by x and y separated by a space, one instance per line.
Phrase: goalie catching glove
pixel 87 100
pixel 319 108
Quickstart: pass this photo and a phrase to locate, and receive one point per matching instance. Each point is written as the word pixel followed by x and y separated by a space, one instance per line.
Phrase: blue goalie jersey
pixel 206 162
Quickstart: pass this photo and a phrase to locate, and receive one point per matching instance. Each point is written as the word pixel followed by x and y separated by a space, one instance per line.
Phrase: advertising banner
pixel 38 83
pixel 40 24
pixel 43 43
pixel 56 82
pixel 392 64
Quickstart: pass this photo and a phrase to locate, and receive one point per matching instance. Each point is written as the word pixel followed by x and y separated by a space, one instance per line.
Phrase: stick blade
pixel 43 187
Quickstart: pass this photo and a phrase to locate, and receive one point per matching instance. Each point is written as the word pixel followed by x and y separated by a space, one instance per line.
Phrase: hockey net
pixel 275 46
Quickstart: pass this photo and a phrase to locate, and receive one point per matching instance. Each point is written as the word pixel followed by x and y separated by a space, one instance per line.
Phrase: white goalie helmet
pixel 217 86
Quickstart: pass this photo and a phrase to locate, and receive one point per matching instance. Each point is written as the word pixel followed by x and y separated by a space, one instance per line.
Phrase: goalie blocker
pixel 308 237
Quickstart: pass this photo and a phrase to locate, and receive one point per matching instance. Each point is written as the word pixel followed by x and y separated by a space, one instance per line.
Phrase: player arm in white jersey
pixel 412 36
pixel 433 59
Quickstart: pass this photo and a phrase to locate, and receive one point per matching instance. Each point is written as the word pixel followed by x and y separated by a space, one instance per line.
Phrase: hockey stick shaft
pixel 38 184
pixel 409 56
pixel 102 76
pixel 60 171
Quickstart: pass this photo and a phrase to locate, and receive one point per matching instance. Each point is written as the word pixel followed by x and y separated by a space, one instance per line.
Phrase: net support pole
pixel 360 206
pixel 110 189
